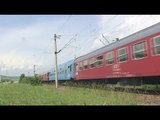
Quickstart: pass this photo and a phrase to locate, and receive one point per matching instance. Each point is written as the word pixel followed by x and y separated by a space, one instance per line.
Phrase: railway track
pixel 112 87
pixel 138 90
pixel 115 88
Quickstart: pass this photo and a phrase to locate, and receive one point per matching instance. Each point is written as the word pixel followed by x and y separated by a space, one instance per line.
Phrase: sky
pixel 28 40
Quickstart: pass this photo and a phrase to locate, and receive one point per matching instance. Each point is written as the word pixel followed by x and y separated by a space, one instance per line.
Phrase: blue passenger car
pixel 65 71
pixel 52 75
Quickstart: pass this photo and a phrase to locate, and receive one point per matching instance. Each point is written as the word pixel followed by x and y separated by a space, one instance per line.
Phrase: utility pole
pixel 56 66
pixel 34 70
pixel 28 73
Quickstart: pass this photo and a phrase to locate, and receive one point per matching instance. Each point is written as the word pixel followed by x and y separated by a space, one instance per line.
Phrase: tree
pixel 34 80
pixel 22 77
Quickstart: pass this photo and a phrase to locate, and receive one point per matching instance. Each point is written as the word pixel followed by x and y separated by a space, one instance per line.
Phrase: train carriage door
pixel 65 72
pixel 70 68
pixel 76 67
pixel 68 72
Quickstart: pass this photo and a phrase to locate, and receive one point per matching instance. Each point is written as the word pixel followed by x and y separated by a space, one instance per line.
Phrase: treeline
pixel 34 80
pixel 8 78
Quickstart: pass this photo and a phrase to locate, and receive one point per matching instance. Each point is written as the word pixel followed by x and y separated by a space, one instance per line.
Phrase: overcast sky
pixel 27 40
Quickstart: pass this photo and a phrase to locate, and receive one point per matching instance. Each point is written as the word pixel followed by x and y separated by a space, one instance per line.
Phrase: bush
pixel 12 81
pixel 5 80
pixel 31 80
pixel 35 81
pixel 21 78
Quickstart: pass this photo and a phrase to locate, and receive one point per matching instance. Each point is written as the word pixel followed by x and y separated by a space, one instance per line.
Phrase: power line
pixel 86 41
pixel 60 28
pixel 80 32
pixel 64 23
pixel 102 42
pixel 68 43
pixel 108 21
pixel 111 31
pixel 94 30
pixel 105 38
pixel 98 28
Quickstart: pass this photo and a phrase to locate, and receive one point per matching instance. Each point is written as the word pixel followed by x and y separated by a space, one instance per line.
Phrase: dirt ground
pixel 149 99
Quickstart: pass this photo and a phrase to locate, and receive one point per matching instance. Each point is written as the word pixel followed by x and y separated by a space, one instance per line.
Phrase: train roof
pixel 133 37
pixel 68 62
pixel 63 65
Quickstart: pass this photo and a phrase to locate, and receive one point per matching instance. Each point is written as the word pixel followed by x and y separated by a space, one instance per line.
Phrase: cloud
pixel 133 24
pixel 98 43
pixel 122 25
pixel 13 60
pixel 36 35
pixel 23 46
pixel 19 45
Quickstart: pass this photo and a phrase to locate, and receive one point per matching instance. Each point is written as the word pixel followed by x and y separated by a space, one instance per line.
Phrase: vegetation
pixel 30 91
pixel 22 77
pixel 149 86
pixel 113 86
pixel 26 94
pixel 30 80
pixel 5 80
pixel 9 79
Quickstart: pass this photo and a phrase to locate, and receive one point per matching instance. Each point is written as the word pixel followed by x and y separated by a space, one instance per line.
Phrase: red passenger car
pixel 45 77
pixel 137 55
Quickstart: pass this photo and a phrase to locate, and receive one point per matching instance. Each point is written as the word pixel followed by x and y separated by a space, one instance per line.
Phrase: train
pixel 129 58
pixel 65 71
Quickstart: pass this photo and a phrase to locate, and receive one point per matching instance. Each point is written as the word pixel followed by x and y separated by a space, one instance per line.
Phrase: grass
pixel 145 86
pixel 25 94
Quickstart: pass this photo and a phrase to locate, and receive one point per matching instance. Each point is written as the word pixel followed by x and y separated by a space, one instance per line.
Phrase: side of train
pixel 65 71
pixel 137 55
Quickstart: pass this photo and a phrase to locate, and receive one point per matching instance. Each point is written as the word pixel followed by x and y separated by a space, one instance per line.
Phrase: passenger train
pixel 135 56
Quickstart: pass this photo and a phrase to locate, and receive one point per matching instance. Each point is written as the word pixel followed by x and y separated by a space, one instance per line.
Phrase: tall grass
pixel 26 94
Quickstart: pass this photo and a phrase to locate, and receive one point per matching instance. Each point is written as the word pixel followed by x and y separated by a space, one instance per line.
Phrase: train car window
pixel 80 67
pixel 100 61
pixel 60 70
pixel 110 58
pixel 139 50
pixel 156 44
pixel 92 63
pixel 122 55
pixel 77 67
pixel 66 68
pixel 85 64
pixel 70 67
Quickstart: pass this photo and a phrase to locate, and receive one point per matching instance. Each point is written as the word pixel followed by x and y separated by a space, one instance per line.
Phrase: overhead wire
pixel 60 29
pixel 95 30
pixel 98 28
pixel 67 43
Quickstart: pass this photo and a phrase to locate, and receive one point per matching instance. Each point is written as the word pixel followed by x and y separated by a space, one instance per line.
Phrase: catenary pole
pixel 56 66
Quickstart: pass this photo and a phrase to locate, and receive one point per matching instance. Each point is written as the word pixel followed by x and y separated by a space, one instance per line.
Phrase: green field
pixel 25 94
